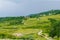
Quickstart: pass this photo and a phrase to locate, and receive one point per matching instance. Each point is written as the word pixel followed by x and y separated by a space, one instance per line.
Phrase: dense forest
pixel 28 27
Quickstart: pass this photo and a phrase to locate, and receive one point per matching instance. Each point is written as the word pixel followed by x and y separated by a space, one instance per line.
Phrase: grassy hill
pixel 50 12
pixel 28 27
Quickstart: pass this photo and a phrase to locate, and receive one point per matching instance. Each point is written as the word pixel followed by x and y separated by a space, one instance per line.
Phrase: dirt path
pixel 43 35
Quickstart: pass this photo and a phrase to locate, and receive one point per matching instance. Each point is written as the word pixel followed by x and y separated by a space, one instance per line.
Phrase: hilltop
pixel 47 13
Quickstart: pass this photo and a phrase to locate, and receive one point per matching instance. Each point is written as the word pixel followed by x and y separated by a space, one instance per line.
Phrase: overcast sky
pixel 26 7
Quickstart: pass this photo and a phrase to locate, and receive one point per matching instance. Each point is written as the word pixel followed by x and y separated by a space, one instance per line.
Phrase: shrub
pixel 55 29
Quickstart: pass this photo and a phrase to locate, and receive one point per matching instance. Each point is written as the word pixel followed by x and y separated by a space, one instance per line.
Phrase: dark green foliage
pixel 55 29
pixel 52 20
pixel 5 35
pixel 12 20
pixel 34 16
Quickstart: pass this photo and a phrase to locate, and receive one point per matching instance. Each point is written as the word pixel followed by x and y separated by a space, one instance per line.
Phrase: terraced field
pixel 17 28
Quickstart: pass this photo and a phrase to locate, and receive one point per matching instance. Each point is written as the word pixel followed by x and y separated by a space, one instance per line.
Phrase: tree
pixel 55 29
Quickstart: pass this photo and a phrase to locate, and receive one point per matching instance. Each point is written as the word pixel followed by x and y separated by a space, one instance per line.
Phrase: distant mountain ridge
pixel 47 13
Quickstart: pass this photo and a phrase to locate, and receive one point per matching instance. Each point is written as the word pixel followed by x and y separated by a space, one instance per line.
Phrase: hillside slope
pixel 28 27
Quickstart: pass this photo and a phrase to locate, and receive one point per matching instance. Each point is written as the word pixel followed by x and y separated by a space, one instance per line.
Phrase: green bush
pixel 55 29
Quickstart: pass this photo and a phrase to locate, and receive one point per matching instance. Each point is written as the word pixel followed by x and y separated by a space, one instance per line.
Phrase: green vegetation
pixel 28 27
